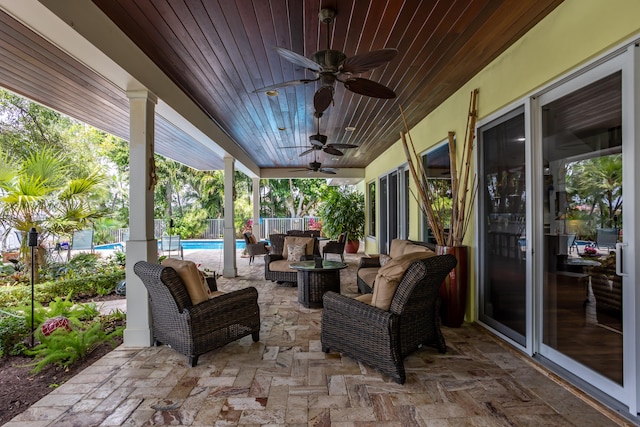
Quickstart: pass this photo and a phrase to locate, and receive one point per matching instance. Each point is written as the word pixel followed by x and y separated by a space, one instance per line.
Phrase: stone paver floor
pixel 286 379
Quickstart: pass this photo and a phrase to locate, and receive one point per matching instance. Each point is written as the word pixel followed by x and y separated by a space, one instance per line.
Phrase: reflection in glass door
pixel 582 319
pixel 502 242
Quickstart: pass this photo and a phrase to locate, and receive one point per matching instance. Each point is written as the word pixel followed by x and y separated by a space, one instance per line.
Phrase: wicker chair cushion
pixel 368 274
pixel 410 249
pixel 365 298
pixel 384 258
pixel 389 277
pixel 281 265
pixel 296 240
pixel 398 247
pixel 192 278
pixel 295 252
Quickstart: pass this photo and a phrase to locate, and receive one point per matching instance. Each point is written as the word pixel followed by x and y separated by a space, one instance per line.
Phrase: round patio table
pixel 314 281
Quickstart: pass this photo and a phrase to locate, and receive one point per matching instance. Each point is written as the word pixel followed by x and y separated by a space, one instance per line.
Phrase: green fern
pixel 64 348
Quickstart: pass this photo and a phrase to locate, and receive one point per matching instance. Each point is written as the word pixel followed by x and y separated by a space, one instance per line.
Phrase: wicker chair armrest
pixel 272 257
pixel 366 262
pixel 355 309
pixel 211 283
pixel 333 245
pixel 224 304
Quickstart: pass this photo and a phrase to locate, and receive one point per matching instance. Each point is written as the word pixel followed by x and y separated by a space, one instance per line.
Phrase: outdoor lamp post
pixel 33 242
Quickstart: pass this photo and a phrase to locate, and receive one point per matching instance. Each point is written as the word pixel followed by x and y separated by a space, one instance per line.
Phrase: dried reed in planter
pixel 463 182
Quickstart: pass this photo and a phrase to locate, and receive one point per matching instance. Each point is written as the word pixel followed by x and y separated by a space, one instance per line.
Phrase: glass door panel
pixel 502 242
pixel 582 214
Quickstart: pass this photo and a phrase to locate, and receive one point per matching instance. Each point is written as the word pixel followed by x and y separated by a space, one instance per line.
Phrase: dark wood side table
pixel 314 281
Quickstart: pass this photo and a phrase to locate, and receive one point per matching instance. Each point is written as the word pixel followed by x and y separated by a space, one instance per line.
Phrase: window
pixel 372 207
pixel 436 165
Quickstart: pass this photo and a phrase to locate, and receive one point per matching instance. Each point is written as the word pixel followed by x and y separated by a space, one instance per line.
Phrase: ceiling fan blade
pixel 286 84
pixel 323 98
pixel 333 151
pixel 368 87
pixel 367 61
pixel 327 170
pixel 295 146
pixel 304 153
pixel 298 59
pixel 343 146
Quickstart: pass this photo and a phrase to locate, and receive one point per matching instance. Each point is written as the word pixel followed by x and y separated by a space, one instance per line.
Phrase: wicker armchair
pixel 254 247
pixel 336 246
pixel 289 276
pixel 196 329
pixel 382 339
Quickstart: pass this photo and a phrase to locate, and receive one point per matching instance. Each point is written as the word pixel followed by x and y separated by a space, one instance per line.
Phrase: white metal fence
pixel 215 227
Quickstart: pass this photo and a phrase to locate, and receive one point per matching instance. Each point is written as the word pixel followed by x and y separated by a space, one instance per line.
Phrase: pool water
pixel 186 244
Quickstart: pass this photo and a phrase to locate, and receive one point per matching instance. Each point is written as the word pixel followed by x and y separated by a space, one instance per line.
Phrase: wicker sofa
pixel 276 262
pixel 363 329
pixel 369 266
pixel 196 328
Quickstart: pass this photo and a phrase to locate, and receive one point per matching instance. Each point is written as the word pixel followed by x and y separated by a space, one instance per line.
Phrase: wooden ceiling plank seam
pixel 21 88
pixel 60 87
pixel 21 44
pixel 206 56
pixel 37 87
pixel 264 108
pixel 239 37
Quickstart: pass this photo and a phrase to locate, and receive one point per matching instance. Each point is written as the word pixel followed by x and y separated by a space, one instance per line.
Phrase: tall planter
pixel 352 246
pixel 453 290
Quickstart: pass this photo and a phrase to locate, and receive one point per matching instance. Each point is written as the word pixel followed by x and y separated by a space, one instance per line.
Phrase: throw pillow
pixel 389 277
pixel 192 278
pixel 384 258
pixel 295 252
pixel 297 240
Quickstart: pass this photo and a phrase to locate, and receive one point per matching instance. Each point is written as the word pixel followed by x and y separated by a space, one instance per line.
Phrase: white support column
pixel 229 269
pixel 256 208
pixel 142 244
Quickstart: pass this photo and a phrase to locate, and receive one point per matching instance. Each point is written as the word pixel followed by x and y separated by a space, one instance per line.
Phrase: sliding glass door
pixel 502 226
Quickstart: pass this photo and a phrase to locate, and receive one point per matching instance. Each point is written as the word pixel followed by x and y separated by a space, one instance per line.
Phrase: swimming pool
pixel 186 244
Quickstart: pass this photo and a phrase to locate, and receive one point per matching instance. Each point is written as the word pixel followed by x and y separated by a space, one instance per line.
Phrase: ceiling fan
pixel 316 166
pixel 319 142
pixel 331 66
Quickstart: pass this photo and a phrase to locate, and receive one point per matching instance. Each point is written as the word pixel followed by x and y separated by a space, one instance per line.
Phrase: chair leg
pixel 255 336
pixel 193 361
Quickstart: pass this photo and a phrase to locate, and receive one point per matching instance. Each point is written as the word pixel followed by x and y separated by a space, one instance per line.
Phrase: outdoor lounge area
pixel 523 117
pixel 286 379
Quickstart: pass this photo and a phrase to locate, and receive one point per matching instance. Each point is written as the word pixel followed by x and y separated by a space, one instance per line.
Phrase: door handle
pixel 619 259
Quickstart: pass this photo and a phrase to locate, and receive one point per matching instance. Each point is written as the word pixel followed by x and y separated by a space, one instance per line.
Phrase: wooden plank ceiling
pixel 221 51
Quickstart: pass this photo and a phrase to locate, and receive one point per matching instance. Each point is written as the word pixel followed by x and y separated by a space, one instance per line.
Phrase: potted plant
pixel 449 221
pixel 343 211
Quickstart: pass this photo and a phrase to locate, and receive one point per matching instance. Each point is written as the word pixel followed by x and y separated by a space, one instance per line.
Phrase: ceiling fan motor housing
pixel 315 166
pixel 318 140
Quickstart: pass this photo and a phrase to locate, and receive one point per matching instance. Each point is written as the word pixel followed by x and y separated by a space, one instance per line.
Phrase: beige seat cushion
pixel 298 240
pixel 192 278
pixel 390 275
pixel 366 298
pixel 281 265
pixel 368 274
pixel 397 247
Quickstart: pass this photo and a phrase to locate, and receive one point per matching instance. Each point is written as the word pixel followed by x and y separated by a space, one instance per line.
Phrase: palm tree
pixel 40 191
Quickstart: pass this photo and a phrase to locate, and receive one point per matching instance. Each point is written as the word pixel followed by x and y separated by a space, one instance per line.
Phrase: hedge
pixel 79 288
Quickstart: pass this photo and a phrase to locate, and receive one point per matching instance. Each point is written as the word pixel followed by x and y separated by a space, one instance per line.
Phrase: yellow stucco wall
pixel 573 34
